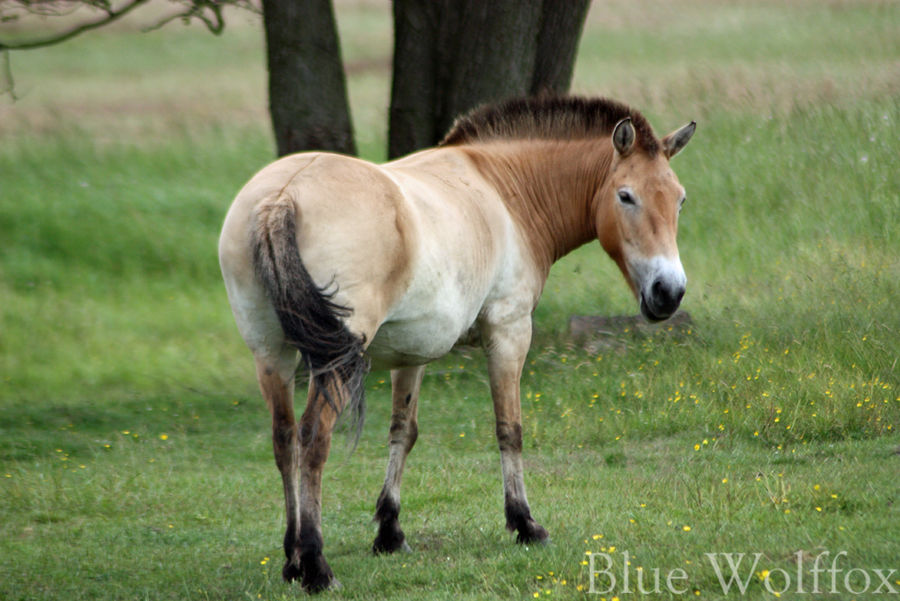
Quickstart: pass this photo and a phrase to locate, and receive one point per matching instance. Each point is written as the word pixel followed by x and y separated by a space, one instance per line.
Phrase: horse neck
pixel 549 187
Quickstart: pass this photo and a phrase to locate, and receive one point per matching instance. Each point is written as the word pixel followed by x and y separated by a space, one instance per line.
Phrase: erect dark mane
pixel 548 118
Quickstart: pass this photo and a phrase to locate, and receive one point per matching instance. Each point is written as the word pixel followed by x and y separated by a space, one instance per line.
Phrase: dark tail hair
pixel 308 314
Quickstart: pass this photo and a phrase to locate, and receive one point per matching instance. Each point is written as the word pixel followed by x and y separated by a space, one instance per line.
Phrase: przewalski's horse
pixel 349 262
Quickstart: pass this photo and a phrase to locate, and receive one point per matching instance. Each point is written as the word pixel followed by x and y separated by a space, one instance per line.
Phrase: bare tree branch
pixel 111 15
pixel 197 10
pixel 207 11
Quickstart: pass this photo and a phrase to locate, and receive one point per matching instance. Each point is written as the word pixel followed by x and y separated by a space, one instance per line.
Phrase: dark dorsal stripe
pixel 548 118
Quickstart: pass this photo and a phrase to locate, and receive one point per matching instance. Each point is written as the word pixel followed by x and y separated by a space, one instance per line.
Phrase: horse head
pixel 637 216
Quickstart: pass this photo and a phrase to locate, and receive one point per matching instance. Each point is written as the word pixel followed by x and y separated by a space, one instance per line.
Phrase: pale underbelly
pixel 411 343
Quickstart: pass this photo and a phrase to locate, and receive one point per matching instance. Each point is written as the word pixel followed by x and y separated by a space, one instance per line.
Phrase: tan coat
pixel 349 262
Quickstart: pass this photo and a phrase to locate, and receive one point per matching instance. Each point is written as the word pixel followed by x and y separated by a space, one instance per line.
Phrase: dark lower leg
pixel 519 520
pixel 278 391
pixel 518 514
pixel 507 344
pixel 404 431
pixel 315 443
pixel 290 571
pixel 390 537
pixel 314 572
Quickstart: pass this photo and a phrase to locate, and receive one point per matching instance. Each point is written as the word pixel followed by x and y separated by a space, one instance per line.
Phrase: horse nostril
pixel 666 296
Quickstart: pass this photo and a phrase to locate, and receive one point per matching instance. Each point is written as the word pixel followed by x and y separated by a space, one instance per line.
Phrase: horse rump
pixel 308 314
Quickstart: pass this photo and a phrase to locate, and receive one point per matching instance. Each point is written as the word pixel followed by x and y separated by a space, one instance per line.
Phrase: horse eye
pixel 625 197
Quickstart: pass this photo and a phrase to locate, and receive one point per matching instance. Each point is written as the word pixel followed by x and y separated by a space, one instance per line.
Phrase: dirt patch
pixel 597 333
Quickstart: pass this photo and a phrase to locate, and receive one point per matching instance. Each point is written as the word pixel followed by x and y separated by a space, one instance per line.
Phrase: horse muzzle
pixel 663 300
pixel 664 288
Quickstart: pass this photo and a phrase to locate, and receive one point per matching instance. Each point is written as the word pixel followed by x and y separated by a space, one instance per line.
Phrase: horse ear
pixel 677 140
pixel 623 136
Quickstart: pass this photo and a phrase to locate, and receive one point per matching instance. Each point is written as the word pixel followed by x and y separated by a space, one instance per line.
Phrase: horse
pixel 349 265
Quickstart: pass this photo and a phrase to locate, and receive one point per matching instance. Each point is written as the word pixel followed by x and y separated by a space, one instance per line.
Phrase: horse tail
pixel 309 316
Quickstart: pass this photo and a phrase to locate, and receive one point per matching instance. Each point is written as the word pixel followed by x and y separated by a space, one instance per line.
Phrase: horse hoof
pixel 379 547
pixel 316 575
pixel 533 533
pixel 335 584
pixel 319 583
pixel 390 540
pixel 290 572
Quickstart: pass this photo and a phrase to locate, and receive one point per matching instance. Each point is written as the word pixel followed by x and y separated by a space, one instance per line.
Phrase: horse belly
pixel 421 335
pixel 404 344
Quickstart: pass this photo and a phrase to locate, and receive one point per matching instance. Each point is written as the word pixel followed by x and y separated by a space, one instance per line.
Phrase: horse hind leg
pixel 276 382
pixel 405 384
pixel 313 323
pixel 301 451
pixel 324 406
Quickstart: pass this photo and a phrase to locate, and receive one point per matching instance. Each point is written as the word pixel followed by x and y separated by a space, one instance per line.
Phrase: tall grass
pixel 135 459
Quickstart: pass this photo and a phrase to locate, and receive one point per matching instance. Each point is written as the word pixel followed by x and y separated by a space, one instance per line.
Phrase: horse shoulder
pixel 466 253
pixel 460 222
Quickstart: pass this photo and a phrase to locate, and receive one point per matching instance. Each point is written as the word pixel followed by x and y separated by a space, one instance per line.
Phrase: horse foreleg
pixel 405 385
pixel 506 346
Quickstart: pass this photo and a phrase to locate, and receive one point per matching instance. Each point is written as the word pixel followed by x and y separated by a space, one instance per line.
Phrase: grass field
pixel 135 460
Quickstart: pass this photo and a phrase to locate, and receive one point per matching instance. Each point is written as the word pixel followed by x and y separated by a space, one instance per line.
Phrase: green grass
pixel 135 459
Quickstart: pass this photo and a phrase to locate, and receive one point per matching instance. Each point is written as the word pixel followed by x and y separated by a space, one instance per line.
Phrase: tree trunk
pixel 453 55
pixel 557 46
pixel 414 86
pixel 307 88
